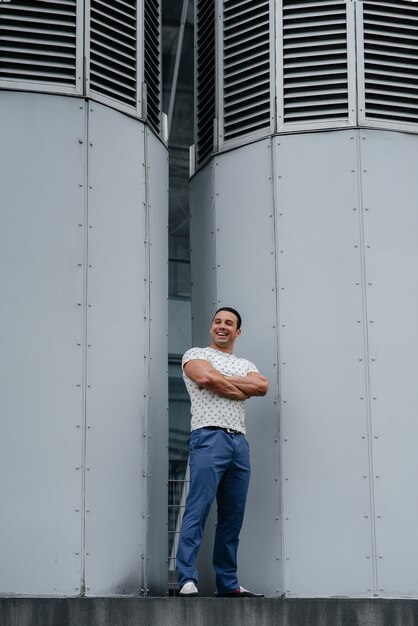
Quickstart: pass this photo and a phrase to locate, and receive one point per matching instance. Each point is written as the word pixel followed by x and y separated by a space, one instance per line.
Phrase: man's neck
pixel 227 350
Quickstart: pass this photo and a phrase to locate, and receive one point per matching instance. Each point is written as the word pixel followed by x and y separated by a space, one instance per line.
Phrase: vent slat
pixel 390 32
pixel 43 37
pixel 246 67
pixel 113 50
pixel 152 61
pixel 205 78
pixel 315 45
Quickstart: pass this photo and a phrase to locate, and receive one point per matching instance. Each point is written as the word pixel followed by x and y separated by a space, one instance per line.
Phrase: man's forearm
pixel 250 385
pixel 223 386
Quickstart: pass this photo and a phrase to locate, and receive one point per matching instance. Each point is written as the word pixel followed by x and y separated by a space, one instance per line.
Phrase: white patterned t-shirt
pixel 207 407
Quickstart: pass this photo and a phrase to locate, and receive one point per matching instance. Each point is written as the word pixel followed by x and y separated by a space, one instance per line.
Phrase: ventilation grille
pixel 38 41
pixel 246 39
pixel 205 78
pixel 391 60
pixel 315 65
pixel 152 61
pixel 113 49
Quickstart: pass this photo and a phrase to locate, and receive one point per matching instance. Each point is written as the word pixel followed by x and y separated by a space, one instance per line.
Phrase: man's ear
pixel 238 332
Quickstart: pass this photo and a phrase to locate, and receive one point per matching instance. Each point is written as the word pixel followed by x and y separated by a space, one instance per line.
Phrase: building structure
pixel 303 198
pixel 304 216
pixel 84 197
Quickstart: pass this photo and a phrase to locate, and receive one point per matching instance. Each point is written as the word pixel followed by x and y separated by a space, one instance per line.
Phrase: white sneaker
pixel 189 590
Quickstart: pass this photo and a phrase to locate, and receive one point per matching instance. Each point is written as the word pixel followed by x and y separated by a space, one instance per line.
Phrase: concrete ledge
pixel 16 611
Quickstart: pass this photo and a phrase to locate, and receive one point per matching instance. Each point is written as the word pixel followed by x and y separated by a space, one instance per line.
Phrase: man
pixel 218 384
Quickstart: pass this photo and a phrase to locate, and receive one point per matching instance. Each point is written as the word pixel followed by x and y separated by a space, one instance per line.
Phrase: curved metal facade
pixel 107 50
pixel 84 205
pixel 289 66
pixel 311 235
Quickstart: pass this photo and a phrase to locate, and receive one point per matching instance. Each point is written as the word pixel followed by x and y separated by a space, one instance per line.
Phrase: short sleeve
pixel 251 367
pixel 194 353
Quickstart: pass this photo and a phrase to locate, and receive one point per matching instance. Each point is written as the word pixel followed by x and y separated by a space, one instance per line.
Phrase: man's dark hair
pixel 230 310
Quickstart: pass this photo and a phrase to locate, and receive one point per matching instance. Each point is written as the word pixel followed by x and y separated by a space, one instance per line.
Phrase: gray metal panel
pixel 202 253
pixel 326 504
pixel 157 537
pixel 41 365
pixel 390 191
pixel 246 280
pixel 117 341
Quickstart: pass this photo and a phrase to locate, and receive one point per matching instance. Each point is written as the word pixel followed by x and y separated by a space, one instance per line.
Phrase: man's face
pixel 224 331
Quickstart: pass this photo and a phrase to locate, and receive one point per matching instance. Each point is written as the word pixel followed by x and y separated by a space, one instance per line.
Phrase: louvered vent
pixel 38 41
pixel 246 70
pixel 391 60
pixel 152 61
pixel 205 78
pixel 315 65
pixel 113 50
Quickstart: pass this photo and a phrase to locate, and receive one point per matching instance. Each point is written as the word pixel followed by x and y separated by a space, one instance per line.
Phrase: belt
pixel 231 431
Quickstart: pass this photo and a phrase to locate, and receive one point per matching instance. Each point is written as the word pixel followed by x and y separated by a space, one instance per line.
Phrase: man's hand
pixel 207 377
pixel 253 384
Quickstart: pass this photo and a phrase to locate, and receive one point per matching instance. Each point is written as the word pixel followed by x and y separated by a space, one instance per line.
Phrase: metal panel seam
pixel 147 355
pixel 362 242
pixel 84 344
pixel 278 361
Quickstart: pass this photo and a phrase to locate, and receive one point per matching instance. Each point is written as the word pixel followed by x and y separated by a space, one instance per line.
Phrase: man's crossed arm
pixel 234 387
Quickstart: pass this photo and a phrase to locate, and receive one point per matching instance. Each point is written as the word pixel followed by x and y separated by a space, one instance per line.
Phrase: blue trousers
pixel 219 467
